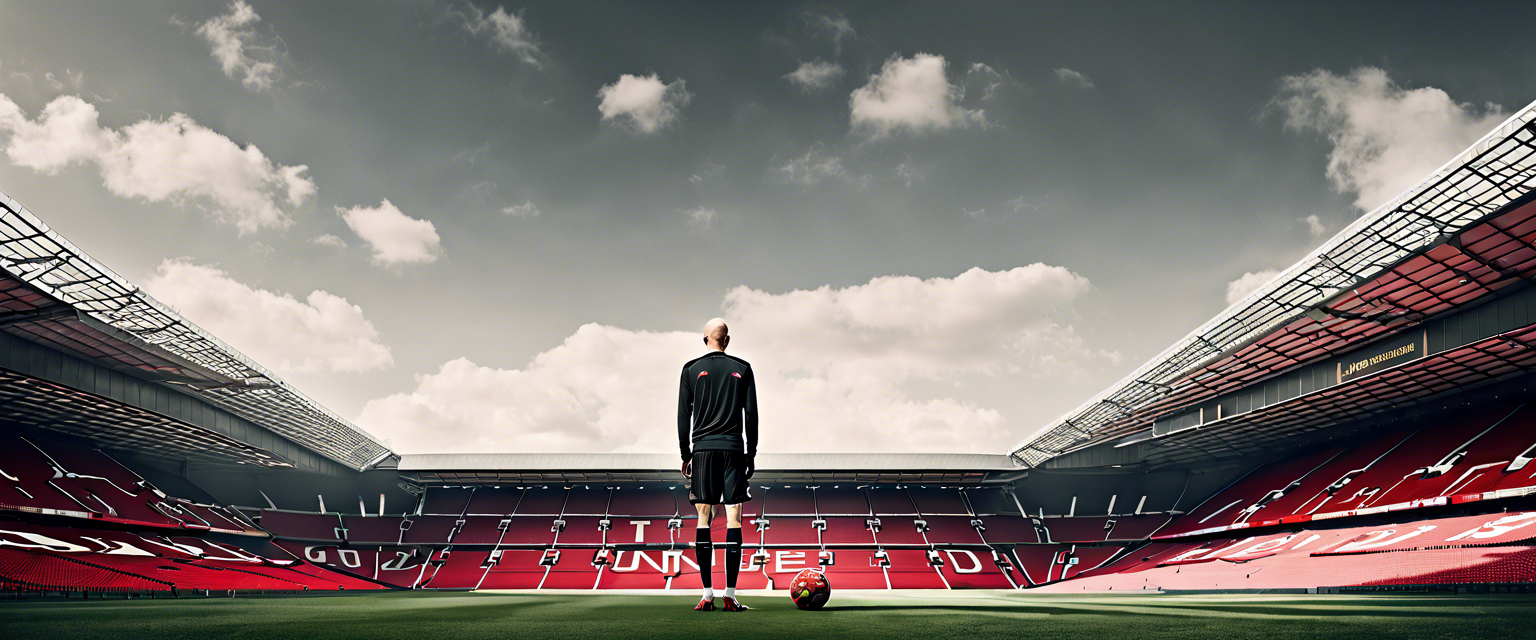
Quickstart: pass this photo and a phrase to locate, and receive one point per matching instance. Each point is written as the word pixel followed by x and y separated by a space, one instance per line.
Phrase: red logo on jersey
pixel 703 373
pixel 736 375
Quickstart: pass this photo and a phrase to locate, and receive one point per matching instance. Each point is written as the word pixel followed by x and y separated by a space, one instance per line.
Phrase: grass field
pixel 928 616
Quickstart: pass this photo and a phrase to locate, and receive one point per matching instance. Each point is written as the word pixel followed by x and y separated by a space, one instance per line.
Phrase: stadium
pixel 1347 450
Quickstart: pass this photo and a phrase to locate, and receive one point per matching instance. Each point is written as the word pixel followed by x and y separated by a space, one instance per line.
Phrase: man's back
pixel 717 405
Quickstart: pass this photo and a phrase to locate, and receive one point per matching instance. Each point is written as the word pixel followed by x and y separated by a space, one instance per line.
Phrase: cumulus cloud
pixel 329 240
pixel 814 167
pixel 813 75
pixel 1248 283
pixel 239 50
pixel 174 159
pixel 910 95
pixel 507 32
pixel 523 211
pixel 645 102
pixel 1073 78
pixel 323 333
pixel 1385 138
pixel 396 239
pixel 838 370
pixel 1315 225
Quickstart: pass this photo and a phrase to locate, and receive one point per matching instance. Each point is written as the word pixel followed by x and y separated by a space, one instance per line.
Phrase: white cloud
pixel 1315 225
pixel 523 211
pixel 909 95
pixel 837 27
pixel 648 104
pixel 1385 138
pixel 813 75
pixel 174 159
pixel 321 334
pixel 702 217
pixel 329 240
pixel 239 50
pixel 507 31
pixel 1248 283
pixel 1074 78
pixel 975 214
pixel 815 167
pixel 395 238
pixel 71 79
pixel 838 370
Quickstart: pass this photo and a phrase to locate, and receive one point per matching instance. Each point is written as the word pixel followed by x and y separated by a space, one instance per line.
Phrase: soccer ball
pixel 810 589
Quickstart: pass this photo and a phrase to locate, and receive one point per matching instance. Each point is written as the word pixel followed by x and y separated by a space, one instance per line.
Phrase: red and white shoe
pixel 705 604
pixel 732 605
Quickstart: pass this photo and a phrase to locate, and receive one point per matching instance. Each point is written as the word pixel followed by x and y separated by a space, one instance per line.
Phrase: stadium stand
pixel 1363 420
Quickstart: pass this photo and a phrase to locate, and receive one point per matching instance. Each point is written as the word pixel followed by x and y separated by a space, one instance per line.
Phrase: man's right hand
pixel 687 468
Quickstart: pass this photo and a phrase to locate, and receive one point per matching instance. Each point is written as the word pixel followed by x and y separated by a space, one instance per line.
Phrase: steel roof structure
pixel 1451 241
pixel 54 294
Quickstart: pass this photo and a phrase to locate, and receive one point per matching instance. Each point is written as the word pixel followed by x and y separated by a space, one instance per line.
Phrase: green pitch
pixel 925 616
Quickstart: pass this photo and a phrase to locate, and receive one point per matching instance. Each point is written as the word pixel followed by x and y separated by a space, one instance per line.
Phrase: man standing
pixel 717 433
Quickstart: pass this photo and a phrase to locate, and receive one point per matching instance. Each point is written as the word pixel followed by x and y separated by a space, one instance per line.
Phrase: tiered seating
pixel 789 501
pixel 653 502
pixel 1460 458
pixel 846 530
pixel 542 502
pixel 446 502
pixel 1077 529
pixel 587 502
pixel 462 569
pixel 1487 548
pixel 529 530
pixel 790 530
pixel 46 557
pixel 479 530
pixel 968 569
pixel 939 502
pixel 1009 529
pixel 580 531
pixel 27 473
pixel 899 530
pixel 887 501
pixel 910 570
pixel 291 525
pixel 1226 507
pixel 833 501
pixel 574 571
pixel 514 569
pixel 1137 527
pixel 99 482
pixel 489 501
pixel 373 529
pixel 430 529
pixel 949 530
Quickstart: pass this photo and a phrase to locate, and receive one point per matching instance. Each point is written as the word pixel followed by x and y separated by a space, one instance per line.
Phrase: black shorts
pixel 719 477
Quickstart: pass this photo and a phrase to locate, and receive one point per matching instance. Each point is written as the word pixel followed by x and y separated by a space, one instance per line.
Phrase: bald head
pixel 716 334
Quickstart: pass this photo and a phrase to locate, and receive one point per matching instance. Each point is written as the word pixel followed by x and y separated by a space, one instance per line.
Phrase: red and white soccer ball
pixel 810 589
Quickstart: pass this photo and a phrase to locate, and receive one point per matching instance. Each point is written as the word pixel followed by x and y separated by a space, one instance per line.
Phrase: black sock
pixel 732 556
pixel 704 553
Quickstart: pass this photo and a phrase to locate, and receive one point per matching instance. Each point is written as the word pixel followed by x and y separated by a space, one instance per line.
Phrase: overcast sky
pixel 937 227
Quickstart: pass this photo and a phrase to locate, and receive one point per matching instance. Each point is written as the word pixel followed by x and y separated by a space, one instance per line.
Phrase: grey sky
pixel 1139 146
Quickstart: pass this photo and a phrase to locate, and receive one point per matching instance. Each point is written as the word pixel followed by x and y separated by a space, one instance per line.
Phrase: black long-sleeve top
pixel 717 406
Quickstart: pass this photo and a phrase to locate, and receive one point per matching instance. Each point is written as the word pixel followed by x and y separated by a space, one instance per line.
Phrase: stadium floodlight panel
pixel 32 252
pixel 1494 172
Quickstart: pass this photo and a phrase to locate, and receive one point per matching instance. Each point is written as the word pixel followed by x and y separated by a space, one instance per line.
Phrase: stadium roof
pixel 1413 258
pixel 488 468
pixel 52 293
